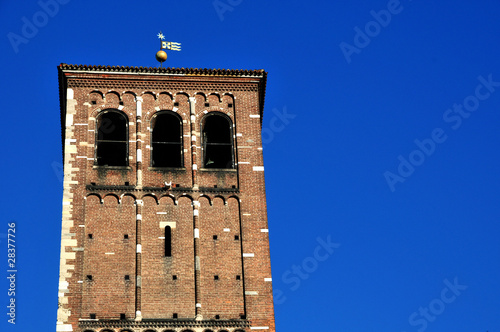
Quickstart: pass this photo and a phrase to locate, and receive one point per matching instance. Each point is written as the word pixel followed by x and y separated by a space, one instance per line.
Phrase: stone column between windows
pixel 197 263
pixel 138 138
pixel 193 140
pixel 138 260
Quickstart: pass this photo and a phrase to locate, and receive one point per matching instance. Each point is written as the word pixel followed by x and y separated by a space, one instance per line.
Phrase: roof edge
pixel 165 70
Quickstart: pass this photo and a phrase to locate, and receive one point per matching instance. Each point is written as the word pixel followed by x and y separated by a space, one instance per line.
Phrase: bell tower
pixel 164 224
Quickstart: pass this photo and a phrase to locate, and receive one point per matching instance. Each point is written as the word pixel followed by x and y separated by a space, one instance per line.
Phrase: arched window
pixel 168 241
pixel 166 140
pixel 112 139
pixel 217 141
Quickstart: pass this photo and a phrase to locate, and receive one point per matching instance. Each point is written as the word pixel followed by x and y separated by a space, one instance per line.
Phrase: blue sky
pixel 383 147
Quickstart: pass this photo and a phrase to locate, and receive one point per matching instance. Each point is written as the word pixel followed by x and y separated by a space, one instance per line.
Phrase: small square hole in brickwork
pixel 177 185
pixel 174 277
pixel 121 102
pixel 127 277
pixel 238 277
pixel 216 277
pixel 94 102
pixel 122 316
pixel 90 236
pixel 230 105
pixel 236 237
pixel 92 316
pixel 234 187
pixel 215 186
pixel 89 277
pixel 215 237
pixel 176 104
pixel 243 316
pixel 217 317
pixel 125 236
pixel 127 183
pixel 174 316
pixel 92 183
pixel 207 104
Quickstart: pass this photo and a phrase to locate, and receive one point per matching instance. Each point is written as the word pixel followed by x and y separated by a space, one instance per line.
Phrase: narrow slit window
pixel 112 139
pixel 166 140
pixel 168 241
pixel 217 141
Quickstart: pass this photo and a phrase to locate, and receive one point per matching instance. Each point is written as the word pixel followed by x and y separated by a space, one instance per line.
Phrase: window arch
pixel 112 139
pixel 166 140
pixel 217 141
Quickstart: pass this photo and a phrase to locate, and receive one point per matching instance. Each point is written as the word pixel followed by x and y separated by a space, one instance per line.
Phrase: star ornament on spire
pixel 161 36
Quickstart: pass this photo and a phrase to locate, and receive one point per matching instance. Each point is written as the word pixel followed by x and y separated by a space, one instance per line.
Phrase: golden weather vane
pixel 161 55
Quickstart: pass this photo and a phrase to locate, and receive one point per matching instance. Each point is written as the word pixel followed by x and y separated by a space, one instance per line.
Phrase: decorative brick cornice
pixel 164 323
pixel 166 71
pixel 146 190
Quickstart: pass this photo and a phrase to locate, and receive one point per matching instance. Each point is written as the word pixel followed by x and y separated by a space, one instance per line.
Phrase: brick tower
pixel 164 222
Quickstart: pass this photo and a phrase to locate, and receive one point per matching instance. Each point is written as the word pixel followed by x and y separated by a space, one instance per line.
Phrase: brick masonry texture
pixel 113 262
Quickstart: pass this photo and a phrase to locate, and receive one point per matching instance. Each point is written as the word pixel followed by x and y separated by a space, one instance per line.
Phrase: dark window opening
pixel 238 277
pixel 243 316
pixel 112 139
pixel 89 277
pixel 230 105
pixel 93 102
pixel 90 236
pixel 168 241
pixel 127 277
pixel 217 316
pixel 176 104
pixel 174 315
pixel 234 187
pixel 92 316
pixel 236 237
pixel 216 277
pixel 127 183
pixel 121 102
pixel 92 183
pixel 122 316
pixel 125 236
pixel 174 277
pixel 166 140
pixel 215 237
pixel 217 142
pixel 215 186
pixel 207 104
